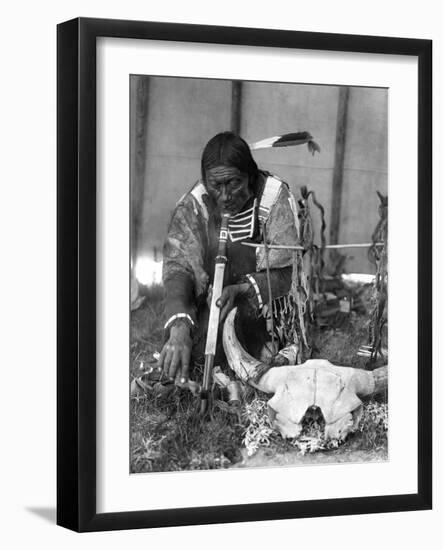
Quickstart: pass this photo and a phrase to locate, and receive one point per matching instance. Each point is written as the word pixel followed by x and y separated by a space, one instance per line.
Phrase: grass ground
pixel 167 434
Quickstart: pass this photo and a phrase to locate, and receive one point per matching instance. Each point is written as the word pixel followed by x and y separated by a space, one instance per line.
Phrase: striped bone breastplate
pixel 242 225
pixel 241 259
pixel 245 225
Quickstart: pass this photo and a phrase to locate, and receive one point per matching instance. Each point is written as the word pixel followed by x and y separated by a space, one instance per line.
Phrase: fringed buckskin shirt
pixel 191 246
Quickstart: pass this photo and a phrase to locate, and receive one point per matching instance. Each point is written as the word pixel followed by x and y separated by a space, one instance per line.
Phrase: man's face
pixel 228 187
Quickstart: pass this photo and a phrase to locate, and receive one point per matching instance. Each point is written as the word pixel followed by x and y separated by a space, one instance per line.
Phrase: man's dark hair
pixel 229 149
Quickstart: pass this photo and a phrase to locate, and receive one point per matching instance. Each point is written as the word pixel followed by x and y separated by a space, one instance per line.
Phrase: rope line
pixel 268 277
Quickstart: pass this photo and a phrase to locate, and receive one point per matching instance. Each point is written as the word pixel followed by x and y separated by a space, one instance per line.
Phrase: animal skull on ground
pixel 305 389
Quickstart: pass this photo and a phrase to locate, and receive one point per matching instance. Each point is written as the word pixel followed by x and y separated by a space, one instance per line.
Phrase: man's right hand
pixel 176 353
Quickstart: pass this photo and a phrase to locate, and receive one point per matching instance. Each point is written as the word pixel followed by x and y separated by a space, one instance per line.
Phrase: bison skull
pixel 316 385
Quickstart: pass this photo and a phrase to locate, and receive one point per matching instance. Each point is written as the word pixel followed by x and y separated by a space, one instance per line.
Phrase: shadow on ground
pixel 48 514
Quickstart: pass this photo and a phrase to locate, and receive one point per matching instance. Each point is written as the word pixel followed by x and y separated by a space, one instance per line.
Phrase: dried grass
pixel 169 435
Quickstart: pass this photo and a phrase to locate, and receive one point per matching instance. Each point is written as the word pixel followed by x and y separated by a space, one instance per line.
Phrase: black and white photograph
pixel 259 274
pixel 220 282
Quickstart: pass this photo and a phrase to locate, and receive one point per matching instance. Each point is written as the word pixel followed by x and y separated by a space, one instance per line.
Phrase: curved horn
pixel 366 382
pixel 246 367
pixel 259 375
pixel 380 379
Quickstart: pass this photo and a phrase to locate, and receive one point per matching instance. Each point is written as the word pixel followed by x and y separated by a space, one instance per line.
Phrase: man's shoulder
pixel 194 200
pixel 196 192
pixel 278 198
pixel 285 190
pixel 273 190
pixel 273 182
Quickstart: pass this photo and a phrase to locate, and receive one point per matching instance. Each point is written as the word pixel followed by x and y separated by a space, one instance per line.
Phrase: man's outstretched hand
pixel 176 353
pixel 175 356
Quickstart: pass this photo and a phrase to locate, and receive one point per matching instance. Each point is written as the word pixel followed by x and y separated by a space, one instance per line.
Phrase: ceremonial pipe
pixel 214 312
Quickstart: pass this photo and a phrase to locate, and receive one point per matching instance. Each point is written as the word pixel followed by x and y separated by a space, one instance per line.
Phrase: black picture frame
pixel 76 280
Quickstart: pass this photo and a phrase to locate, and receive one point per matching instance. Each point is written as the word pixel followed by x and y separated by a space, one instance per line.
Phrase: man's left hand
pixel 227 300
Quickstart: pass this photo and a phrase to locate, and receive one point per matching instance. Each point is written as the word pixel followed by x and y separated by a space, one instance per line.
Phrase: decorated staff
pixel 214 313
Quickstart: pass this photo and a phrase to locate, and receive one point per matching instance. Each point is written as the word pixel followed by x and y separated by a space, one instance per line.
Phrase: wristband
pixel 257 290
pixel 185 316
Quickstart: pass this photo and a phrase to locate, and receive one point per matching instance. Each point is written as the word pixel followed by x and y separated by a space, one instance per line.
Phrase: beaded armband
pixel 254 284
